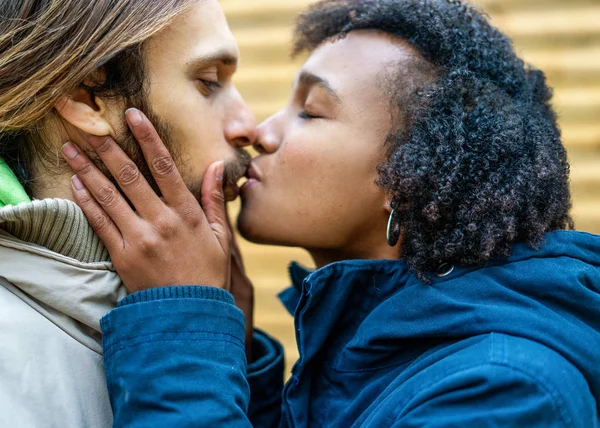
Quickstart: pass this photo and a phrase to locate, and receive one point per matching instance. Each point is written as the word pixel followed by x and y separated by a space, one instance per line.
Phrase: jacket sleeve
pixel 486 396
pixel 175 356
pixel 265 376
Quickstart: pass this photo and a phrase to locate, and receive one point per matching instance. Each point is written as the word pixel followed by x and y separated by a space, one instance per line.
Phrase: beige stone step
pixel 550 22
pixel 556 27
pixel 585 176
pixel 576 106
pixel 586 136
pixel 587 216
pixel 502 6
pixel 580 28
pixel 246 8
pixel 240 10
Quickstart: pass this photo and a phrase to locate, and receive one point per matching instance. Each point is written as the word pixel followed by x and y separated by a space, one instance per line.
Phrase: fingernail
pixel 77 184
pixel 133 116
pixel 70 150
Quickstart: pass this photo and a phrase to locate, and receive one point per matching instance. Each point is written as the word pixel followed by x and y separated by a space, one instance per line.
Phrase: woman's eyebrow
pixel 308 79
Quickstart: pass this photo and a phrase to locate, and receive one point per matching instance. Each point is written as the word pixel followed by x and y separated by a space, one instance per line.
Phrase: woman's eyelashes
pixel 307 116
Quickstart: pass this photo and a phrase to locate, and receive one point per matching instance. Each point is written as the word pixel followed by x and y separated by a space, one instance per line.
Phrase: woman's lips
pixel 254 172
pixel 254 178
pixel 251 182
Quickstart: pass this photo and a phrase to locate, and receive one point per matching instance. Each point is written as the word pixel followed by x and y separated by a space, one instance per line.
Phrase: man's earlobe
pixel 85 112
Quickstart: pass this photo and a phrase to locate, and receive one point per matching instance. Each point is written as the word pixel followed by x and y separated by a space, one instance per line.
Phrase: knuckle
pixel 145 134
pixel 128 174
pixel 165 227
pixel 83 167
pixel 98 222
pixel 86 203
pixel 194 221
pixel 84 199
pixel 192 217
pixel 163 166
pixel 218 197
pixel 104 145
pixel 107 196
pixel 149 245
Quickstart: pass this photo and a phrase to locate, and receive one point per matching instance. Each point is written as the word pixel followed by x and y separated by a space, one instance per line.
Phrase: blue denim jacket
pixel 513 343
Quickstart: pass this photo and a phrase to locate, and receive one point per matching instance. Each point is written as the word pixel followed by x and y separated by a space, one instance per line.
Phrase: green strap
pixel 11 191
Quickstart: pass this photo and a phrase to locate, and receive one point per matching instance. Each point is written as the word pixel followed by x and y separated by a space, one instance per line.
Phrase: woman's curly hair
pixel 479 163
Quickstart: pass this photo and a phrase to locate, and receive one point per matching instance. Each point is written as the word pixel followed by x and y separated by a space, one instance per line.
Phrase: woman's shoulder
pixel 505 374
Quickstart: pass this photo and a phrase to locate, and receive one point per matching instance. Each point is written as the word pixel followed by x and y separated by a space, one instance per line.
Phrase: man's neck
pixel 51 174
pixel 47 185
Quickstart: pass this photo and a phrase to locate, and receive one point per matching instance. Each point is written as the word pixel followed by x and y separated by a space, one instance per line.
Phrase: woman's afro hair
pixel 477 163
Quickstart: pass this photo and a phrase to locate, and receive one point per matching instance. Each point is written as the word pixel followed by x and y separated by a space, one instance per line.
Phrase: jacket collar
pixel 338 297
pixel 59 267
pixel 361 314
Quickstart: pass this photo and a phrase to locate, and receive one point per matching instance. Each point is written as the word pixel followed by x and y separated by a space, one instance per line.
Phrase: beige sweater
pixel 56 282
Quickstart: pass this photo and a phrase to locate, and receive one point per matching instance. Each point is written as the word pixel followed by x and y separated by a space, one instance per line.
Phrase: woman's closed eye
pixel 307 116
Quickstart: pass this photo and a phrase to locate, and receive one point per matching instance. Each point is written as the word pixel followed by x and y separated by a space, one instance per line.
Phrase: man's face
pixel 189 67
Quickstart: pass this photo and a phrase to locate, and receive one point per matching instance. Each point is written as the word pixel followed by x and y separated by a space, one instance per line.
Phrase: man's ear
pixel 86 112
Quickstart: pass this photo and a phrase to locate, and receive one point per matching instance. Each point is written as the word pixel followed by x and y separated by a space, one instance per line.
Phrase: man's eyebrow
pixel 226 57
pixel 309 79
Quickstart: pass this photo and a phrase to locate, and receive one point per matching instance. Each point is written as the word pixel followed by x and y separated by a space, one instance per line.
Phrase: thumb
pixel 213 203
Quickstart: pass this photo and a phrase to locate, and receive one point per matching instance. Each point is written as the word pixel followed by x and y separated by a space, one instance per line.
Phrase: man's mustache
pixel 234 170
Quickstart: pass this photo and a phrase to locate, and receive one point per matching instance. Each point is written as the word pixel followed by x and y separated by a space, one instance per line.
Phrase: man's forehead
pixel 201 32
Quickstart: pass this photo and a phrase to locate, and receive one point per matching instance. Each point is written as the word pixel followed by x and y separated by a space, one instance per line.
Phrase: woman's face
pixel 318 156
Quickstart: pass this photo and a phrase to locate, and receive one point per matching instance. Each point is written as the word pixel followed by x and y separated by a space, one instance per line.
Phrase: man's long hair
pixel 48 48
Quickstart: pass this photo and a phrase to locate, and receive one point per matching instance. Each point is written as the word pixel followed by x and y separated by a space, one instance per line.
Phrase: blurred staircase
pixel 562 38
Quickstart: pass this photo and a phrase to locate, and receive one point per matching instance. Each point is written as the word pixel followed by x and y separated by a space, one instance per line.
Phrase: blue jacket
pixel 513 343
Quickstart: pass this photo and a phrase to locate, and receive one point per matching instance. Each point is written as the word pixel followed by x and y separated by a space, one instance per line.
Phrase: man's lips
pixel 231 191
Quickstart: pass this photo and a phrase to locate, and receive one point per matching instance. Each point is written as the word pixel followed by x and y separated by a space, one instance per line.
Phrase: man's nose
pixel 240 128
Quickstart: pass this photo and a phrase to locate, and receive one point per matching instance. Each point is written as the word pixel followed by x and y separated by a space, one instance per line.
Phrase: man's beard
pixel 232 172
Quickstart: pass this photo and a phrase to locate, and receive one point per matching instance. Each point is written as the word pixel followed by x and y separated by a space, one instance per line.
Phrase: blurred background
pixel 562 38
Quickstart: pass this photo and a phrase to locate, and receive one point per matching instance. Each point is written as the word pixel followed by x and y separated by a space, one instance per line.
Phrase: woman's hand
pixel 168 241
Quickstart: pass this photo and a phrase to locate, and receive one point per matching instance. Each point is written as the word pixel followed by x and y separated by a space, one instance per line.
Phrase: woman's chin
pixel 259 229
pixel 251 228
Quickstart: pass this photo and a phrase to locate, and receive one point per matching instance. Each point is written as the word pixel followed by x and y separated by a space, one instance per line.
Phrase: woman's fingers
pixel 100 222
pixel 158 158
pixel 213 203
pixel 104 192
pixel 130 180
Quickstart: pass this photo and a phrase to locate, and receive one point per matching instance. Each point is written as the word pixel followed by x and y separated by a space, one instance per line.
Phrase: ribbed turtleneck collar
pixel 56 224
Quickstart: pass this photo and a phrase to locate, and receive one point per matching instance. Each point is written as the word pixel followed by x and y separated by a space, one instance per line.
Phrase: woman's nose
pixel 269 135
